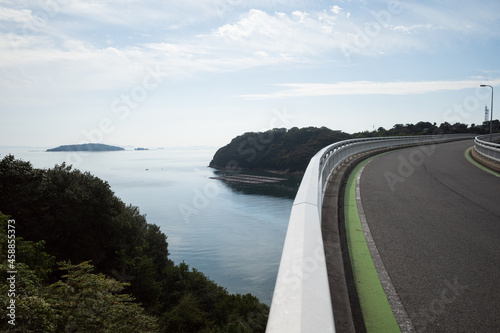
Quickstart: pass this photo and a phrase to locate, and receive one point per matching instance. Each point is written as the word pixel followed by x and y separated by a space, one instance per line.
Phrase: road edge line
pixel 402 318
pixel 376 310
pixel 477 164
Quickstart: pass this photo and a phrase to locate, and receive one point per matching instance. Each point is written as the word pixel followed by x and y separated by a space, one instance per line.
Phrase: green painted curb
pixel 377 313
pixel 479 165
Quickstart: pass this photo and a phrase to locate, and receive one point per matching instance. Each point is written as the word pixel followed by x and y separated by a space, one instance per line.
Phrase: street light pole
pixel 491 111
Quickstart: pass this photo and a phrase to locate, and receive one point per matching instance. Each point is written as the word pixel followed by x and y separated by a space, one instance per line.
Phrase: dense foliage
pixel 427 128
pixel 74 218
pixel 290 150
pixel 276 149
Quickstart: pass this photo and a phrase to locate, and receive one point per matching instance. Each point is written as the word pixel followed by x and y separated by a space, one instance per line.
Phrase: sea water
pixel 233 233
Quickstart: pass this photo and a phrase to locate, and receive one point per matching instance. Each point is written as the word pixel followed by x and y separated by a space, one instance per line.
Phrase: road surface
pixel 435 219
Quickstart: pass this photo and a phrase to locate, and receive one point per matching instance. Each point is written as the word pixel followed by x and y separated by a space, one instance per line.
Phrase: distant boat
pixel 141 149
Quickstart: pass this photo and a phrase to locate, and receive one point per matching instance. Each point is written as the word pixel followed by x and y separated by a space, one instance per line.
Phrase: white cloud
pixel 70 54
pixel 416 28
pixel 300 15
pixel 302 36
pixel 367 88
pixel 14 15
pixel 336 9
pixel 469 17
pixel 64 55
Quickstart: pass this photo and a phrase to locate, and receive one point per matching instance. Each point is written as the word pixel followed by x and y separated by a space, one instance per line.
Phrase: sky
pixel 162 73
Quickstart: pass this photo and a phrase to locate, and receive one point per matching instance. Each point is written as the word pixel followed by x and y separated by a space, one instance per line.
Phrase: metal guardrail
pixel 301 300
pixel 488 149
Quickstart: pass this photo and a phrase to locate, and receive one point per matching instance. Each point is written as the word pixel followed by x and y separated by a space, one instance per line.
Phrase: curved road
pixel 435 219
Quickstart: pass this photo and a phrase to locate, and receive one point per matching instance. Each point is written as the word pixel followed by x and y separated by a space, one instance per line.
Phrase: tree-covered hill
pixel 277 149
pixel 114 273
pixel 290 150
pixel 86 147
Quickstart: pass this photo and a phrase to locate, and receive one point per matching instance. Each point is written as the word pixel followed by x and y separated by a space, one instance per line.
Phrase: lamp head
pixel 483 85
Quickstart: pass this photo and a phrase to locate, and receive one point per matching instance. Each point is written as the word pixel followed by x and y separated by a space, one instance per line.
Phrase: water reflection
pixel 286 188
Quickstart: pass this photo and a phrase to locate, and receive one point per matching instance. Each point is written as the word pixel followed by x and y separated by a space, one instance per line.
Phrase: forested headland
pixel 289 150
pixel 87 262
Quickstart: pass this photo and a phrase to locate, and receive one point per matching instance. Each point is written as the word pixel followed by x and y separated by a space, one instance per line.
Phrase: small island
pixel 141 149
pixel 86 147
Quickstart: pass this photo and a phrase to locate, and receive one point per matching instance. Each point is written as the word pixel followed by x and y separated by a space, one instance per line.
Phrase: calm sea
pixel 234 233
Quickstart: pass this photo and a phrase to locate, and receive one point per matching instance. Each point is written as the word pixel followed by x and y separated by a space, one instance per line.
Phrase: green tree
pixel 79 301
pixel 90 302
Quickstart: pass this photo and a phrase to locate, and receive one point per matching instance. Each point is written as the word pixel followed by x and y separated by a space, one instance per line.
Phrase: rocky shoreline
pixel 250 179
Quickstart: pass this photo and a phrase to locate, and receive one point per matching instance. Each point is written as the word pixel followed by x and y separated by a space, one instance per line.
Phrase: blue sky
pixel 182 73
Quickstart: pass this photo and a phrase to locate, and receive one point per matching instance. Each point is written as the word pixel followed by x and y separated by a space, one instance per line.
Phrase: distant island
pixel 86 147
pixel 141 149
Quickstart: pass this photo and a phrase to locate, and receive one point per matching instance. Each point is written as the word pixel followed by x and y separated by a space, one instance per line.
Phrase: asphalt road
pixel 435 219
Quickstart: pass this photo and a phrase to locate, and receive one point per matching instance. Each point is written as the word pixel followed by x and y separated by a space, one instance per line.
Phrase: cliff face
pixel 86 147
